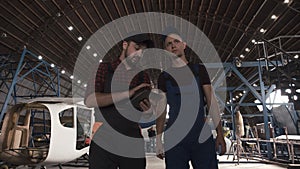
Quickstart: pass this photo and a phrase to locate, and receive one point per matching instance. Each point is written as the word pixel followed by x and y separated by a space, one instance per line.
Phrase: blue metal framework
pixel 247 85
pixel 265 65
pixel 29 67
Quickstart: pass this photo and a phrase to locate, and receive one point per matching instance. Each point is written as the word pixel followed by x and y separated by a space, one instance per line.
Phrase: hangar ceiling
pixel 43 26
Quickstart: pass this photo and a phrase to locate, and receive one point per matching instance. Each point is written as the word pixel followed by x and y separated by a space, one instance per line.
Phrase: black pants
pixel 102 159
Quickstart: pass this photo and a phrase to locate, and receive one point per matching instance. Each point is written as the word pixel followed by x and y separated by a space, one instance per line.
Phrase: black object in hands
pixel 139 96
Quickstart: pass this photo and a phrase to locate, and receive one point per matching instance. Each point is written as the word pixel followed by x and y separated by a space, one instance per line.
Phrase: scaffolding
pixel 274 69
pixel 42 78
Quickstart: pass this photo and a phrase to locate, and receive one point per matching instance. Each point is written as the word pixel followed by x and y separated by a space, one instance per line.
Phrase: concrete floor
pixel 155 163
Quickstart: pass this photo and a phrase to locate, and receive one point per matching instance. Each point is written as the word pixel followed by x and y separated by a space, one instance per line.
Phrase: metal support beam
pixel 221 77
pixel 245 64
pixel 232 116
pixel 30 68
pixel 265 111
pixel 246 82
pixel 13 83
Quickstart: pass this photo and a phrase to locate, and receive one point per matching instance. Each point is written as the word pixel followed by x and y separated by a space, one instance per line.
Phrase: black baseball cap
pixel 141 39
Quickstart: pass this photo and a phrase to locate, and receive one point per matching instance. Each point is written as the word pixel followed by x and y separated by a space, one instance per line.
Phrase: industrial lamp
pixel 237 62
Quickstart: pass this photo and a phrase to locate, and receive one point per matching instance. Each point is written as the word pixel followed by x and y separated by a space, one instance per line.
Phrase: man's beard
pixel 131 62
pixel 134 61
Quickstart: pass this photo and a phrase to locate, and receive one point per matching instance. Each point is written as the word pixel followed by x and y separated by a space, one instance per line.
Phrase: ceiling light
pixel 88 47
pixel 40 57
pixel 255 85
pixel 286 1
pixel 70 28
pixel 71 77
pixel 85 85
pixel 233 99
pixel 240 94
pixel 296 56
pixel 78 81
pixel 253 41
pixel 295 97
pixel 95 54
pixel 237 62
pixel 274 17
pixel 100 60
pixel 298 90
pixel 237 97
pixel 229 73
pixel 262 30
pixel 247 50
pixel 58 14
pixel 52 65
pixel 3 35
pixel 80 38
pixel 288 91
pixel 244 91
pixel 242 56
pixel 63 71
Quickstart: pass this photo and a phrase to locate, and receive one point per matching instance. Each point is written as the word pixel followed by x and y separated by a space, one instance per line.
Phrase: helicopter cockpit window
pixel 83 127
pixel 39 125
pixel 66 117
pixel 26 134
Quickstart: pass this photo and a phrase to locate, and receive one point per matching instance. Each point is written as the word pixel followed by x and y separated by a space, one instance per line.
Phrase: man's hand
pixel 145 105
pixel 221 142
pixel 160 152
pixel 96 126
pixel 132 91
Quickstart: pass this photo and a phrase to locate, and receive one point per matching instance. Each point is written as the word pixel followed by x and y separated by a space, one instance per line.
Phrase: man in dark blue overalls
pixel 185 86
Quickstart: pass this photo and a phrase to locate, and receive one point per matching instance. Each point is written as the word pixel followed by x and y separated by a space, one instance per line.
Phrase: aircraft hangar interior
pixel 59 62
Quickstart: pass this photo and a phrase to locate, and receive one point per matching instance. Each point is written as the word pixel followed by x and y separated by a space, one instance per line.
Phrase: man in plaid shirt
pixel 119 142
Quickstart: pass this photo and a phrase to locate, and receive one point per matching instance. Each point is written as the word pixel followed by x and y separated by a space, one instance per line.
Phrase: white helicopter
pixel 45 132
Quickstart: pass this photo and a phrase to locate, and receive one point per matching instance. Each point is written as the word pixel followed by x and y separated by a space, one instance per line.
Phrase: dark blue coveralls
pixel 201 155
